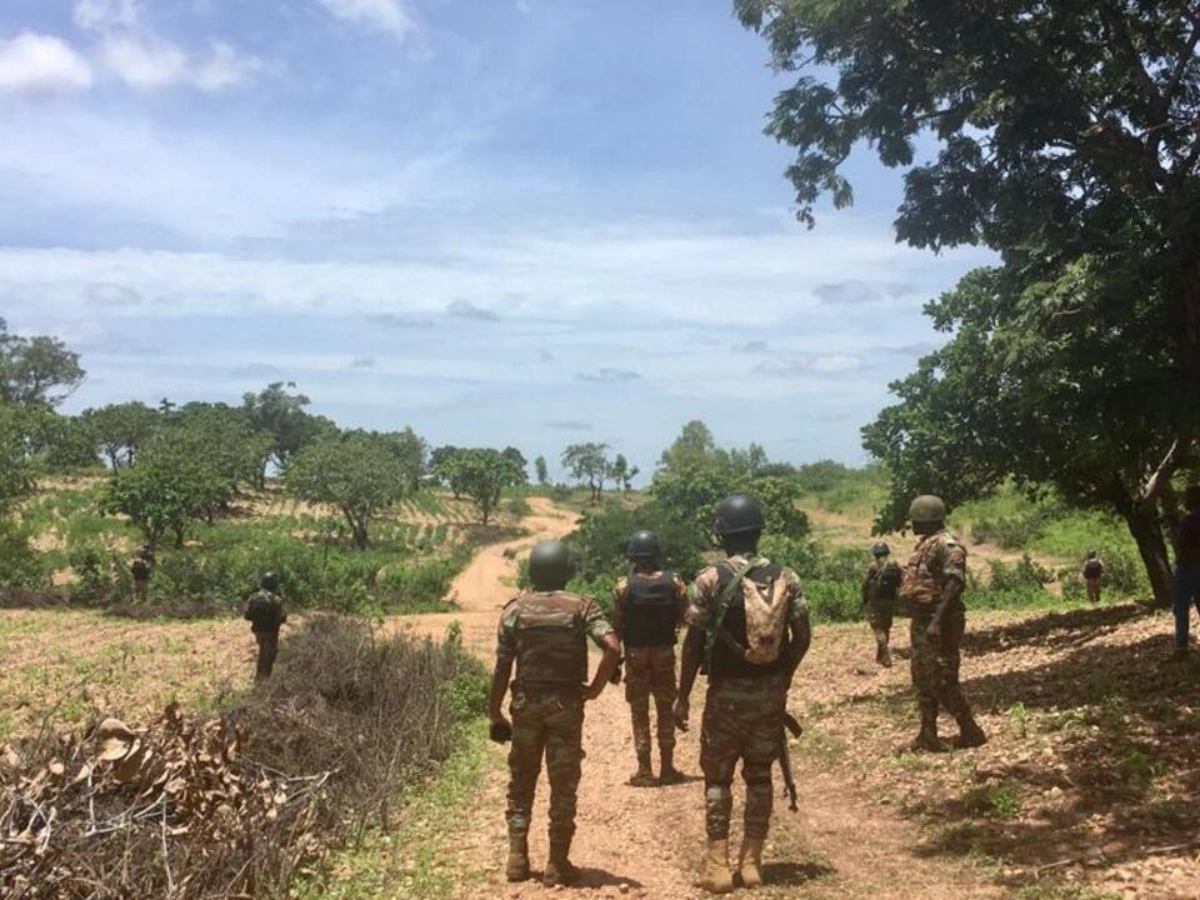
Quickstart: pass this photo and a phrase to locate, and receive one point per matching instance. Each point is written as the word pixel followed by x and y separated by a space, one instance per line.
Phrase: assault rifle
pixel 785 758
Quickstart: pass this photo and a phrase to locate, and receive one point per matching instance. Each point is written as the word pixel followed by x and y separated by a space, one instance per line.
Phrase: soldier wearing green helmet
pixel 932 587
pixel 544 633
pixel 879 599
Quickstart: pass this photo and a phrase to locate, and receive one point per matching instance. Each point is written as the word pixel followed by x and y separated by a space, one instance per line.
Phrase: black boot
pixel 969 732
pixel 927 739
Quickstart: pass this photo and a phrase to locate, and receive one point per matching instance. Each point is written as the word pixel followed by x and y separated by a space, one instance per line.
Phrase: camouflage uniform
pixel 937 558
pixel 140 568
pixel 266 615
pixel 745 703
pixel 1093 572
pixel 546 633
pixel 648 632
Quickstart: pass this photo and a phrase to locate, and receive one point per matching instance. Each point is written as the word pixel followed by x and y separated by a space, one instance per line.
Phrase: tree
pixel 410 449
pixel 283 416
pixel 36 371
pixel 622 473
pixel 224 436
pixel 518 459
pixel 358 474
pixel 481 474
pixel 542 471
pixel 1066 142
pixel 16 475
pixel 1056 401
pixel 121 429
pixel 169 487
pixel 694 445
pixel 588 463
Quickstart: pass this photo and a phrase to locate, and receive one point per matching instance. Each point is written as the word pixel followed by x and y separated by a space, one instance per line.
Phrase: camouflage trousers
pixel 880 613
pixel 935 664
pixel 743 720
pixel 650 672
pixel 547 720
pixel 268 649
pixel 141 590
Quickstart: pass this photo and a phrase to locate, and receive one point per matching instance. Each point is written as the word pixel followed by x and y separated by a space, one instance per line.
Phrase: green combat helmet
pixel 269 581
pixel 643 547
pixel 927 510
pixel 738 514
pixel 550 566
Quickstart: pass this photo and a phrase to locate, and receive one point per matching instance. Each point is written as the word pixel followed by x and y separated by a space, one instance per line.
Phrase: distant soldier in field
pixel 141 567
pixel 648 608
pixel 932 587
pixel 266 615
pixel 748 630
pixel 544 633
pixel 879 590
pixel 1093 574
pixel 1186 535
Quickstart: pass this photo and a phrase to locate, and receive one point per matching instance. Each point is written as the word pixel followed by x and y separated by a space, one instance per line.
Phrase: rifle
pixel 789 724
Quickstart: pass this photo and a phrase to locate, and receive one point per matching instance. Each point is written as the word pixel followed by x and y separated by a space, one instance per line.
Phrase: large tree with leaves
pixel 481 473
pixel 36 371
pixel 1067 142
pixel 358 474
pixel 589 465
pixel 277 410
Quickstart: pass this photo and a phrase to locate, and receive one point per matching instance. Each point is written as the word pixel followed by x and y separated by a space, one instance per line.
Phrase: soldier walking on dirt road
pixel 748 630
pixel 544 633
pixel 266 615
pixel 932 587
pixel 648 608
pixel 879 597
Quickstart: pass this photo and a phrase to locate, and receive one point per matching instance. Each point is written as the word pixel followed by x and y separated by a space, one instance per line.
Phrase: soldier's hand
pixel 501 731
pixel 934 633
pixel 593 691
pixel 682 708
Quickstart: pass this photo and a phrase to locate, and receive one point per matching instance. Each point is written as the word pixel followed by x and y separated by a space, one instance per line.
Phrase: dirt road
pixel 649 842
pixel 489 581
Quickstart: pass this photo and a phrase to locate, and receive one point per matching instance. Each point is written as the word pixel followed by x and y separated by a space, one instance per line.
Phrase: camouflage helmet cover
pixel 550 566
pixel 927 509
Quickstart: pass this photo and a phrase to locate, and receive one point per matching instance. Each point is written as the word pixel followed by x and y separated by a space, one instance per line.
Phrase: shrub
pixel 20 567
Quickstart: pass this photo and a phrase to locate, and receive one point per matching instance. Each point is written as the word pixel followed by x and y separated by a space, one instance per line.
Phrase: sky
pixel 525 222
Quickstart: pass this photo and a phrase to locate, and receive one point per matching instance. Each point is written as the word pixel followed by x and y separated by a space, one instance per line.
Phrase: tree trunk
pixel 1147 533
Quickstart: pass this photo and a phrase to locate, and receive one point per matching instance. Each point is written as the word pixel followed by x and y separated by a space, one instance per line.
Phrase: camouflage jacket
pixel 264 610
pixel 937 558
pixel 140 568
pixel 545 634
pixel 881 581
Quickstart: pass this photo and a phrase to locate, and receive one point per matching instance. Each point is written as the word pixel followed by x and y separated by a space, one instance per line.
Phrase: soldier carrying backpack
pixel 748 630
pixel 880 589
pixel 266 615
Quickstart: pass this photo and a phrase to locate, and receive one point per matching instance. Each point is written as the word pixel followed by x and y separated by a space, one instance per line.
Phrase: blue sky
pixel 528 222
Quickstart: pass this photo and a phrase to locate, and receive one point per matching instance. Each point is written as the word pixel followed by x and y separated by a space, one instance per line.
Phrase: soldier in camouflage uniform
pixel 879 597
pixel 648 608
pixel 544 633
pixel 141 567
pixel 932 588
pixel 746 700
pixel 264 611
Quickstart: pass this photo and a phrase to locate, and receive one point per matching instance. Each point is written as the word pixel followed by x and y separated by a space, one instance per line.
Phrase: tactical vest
pixel 551 639
pixel 265 611
pixel 1092 569
pixel 726 661
pixel 651 610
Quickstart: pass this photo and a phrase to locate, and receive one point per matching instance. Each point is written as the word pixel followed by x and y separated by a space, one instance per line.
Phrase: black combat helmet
pixel 1091 554
pixel 269 581
pixel 643 547
pixel 738 514
pixel 880 549
pixel 550 566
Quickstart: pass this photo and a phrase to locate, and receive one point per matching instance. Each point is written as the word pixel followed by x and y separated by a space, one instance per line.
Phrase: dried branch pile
pixel 235 806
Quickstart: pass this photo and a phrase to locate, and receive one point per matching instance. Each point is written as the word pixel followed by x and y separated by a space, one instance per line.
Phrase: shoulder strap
pixel 716 629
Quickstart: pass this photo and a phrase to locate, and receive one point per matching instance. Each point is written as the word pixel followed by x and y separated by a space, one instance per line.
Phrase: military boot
pixel 969 733
pixel 750 862
pixel 717 879
pixel 668 774
pixel 883 655
pixel 518 858
pixel 644 776
pixel 927 738
pixel 558 868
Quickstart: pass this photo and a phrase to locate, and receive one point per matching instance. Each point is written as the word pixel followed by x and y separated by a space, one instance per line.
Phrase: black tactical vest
pixel 651 611
pixel 726 661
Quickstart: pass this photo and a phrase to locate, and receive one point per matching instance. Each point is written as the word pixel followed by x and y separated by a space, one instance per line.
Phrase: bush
pixel 20 566
pixel 1019 575
pixel 518 507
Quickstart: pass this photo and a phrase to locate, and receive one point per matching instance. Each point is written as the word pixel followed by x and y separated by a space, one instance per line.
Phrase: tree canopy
pixel 588 463
pixel 481 473
pixel 36 371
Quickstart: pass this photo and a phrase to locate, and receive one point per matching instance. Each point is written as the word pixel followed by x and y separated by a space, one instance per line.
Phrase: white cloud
pixel 39 64
pixel 392 16
pixel 129 49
